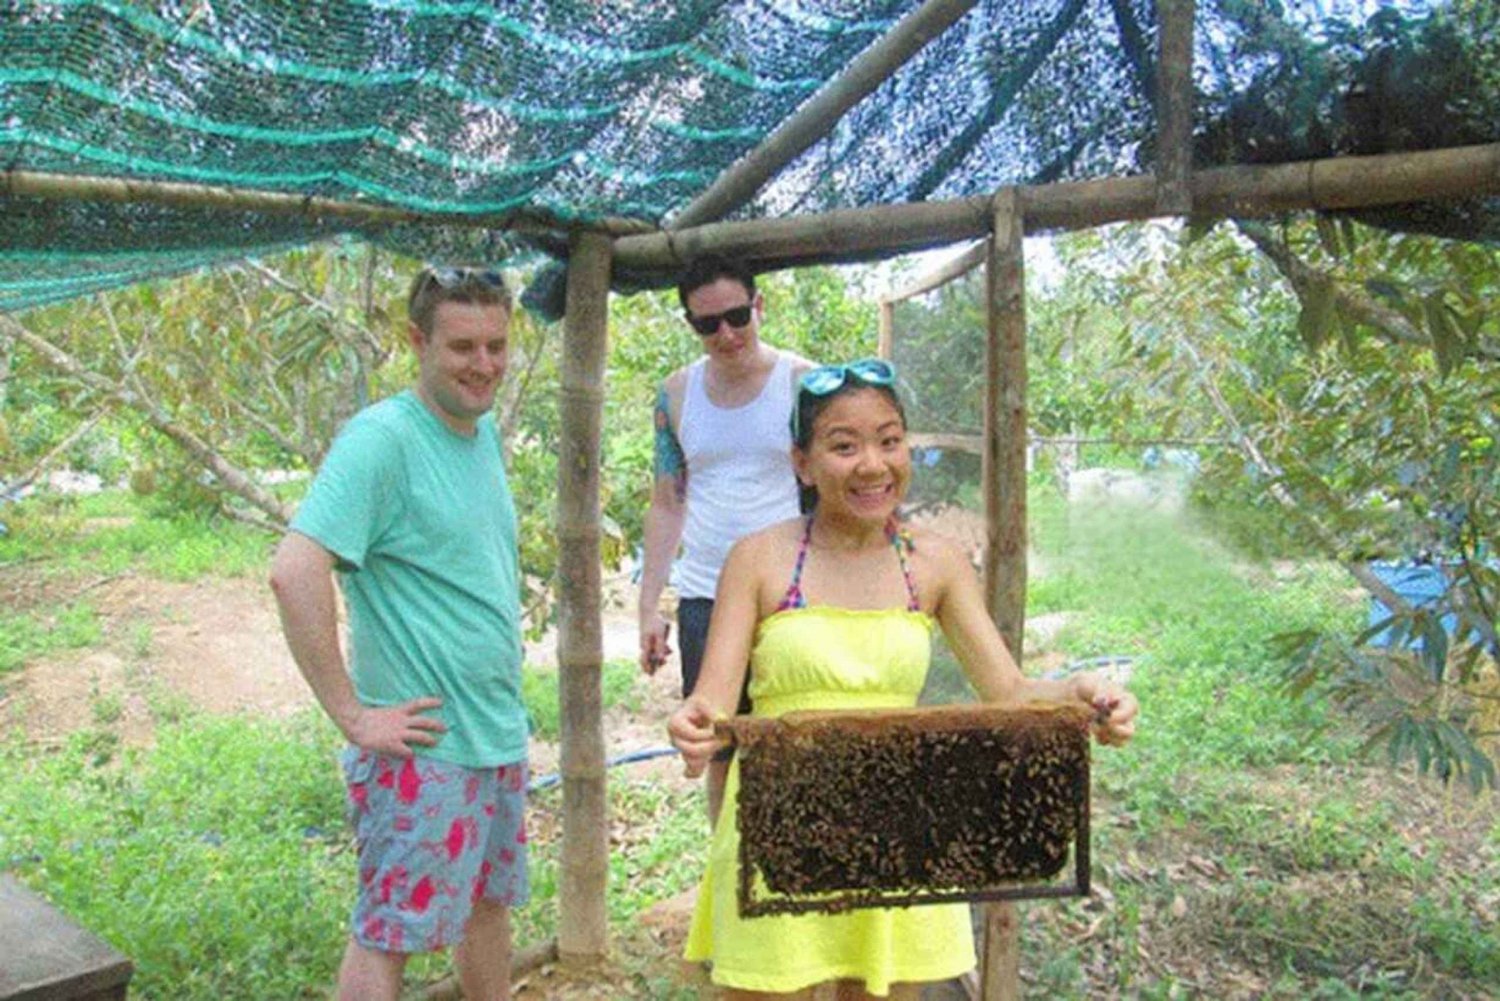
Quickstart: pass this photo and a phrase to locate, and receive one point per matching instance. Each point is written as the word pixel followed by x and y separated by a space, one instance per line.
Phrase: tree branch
pixel 1385 321
pixel 1278 489
pixel 363 337
pixel 272 431
pixel 233 479
pixel 9 487
pixel 514 406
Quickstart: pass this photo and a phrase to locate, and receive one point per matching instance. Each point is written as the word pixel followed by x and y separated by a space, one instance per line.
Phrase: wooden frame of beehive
pixel 894 808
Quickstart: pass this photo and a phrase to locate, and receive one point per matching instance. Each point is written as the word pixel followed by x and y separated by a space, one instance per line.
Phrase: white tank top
pixel 740 476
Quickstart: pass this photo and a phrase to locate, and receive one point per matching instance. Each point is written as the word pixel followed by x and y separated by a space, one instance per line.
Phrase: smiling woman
pixel 835 610
pixel 820 390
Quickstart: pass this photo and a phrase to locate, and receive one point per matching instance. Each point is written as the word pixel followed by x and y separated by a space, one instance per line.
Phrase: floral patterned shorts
pixel 434 838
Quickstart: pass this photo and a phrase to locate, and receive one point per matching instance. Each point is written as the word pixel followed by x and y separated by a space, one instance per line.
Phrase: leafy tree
pixel 1352 375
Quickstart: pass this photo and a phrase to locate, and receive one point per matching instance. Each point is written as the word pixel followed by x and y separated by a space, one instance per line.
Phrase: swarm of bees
pixel 900 807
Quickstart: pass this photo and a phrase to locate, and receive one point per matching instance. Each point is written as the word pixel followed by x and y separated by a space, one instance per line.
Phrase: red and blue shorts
pixel 434 838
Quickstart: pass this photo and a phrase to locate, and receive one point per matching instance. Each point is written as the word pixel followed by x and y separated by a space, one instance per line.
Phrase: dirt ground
pixel 216 646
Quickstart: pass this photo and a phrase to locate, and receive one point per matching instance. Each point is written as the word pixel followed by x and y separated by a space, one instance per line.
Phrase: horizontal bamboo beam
pixel 89 188
pixel 947 441
pixel 953 441
pixel 850 235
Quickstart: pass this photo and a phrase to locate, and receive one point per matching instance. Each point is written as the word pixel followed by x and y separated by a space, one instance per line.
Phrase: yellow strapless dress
pixel 826 658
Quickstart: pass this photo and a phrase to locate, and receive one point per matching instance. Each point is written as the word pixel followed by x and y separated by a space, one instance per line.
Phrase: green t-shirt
pixel 423 530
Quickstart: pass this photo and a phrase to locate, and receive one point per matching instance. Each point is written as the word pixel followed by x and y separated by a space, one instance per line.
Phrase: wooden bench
pixel 44 956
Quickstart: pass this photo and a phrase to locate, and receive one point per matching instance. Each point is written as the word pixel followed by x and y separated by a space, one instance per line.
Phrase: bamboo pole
pixel 1174 106
pixel 582 927
pixel 91 188
pixel 817 117
pixel 852 235
pixel 940 276
pixel 884 343
pixel 1003 479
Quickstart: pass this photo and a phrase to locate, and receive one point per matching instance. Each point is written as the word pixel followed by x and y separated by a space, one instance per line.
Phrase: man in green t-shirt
pixel 411 510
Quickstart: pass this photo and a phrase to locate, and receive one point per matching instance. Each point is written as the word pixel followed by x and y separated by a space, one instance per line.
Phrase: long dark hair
pixel 806 411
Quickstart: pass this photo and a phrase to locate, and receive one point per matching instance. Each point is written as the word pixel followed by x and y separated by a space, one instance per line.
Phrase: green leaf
pixel 1448 343
pixel 1388 291
pixel 1315 319
pixel 1328 234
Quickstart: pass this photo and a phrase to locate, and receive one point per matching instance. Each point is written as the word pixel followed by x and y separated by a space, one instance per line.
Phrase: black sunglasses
pixel 739 316
pixel 451 278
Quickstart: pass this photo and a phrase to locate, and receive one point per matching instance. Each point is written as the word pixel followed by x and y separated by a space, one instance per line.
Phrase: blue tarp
pixel 1422 584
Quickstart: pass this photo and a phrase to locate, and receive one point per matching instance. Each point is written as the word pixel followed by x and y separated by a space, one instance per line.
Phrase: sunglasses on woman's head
pixel 708 325
pixel 827 379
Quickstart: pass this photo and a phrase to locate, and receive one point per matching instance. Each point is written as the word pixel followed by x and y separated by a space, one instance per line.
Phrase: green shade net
pixel 562 112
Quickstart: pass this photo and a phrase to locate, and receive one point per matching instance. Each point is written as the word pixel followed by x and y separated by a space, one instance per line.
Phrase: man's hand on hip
pixel 393 729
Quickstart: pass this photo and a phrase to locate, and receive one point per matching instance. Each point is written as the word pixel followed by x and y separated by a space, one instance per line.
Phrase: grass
pixel 1261 843
pixel 620 681
pixel 207 859
pixel 219 861
pixel 26 635
pixel 116 532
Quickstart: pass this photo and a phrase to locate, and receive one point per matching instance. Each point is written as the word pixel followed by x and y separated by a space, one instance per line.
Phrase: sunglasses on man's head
pixel 827 379
pixel 739 316
pixel 451 278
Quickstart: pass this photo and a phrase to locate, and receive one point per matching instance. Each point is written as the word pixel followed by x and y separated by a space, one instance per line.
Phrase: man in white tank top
pixel 722 463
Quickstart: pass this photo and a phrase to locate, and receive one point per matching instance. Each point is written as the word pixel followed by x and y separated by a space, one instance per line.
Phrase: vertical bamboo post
pixel 582 929
pixel 1003 471
pixel 884 347
pixel 1174 106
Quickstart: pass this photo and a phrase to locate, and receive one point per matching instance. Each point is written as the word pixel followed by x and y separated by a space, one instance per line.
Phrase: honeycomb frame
pixel 895 808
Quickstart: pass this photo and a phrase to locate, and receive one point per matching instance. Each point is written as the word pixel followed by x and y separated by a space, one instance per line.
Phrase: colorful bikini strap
pixel 793 597
pixel 900 541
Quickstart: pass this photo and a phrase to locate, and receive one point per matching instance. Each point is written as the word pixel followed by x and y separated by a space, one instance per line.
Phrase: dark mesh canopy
pixel 527 118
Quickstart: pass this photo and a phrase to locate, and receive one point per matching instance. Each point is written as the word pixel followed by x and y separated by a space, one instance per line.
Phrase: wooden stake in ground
pixel 582 935
pixel 1003 475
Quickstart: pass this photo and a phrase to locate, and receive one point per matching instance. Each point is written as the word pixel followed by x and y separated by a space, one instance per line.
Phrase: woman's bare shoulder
pixel 931 543
pixel 768 541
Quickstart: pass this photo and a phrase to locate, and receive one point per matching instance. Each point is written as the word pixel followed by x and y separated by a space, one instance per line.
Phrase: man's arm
pixel 302 579
pixel 663 530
